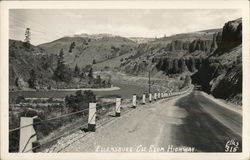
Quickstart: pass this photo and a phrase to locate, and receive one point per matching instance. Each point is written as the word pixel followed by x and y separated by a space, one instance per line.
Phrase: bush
pixel 80 100
pixel 20 99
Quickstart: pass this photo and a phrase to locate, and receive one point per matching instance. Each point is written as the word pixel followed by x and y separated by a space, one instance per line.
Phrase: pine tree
pixel 27 38
pixel 72 46
pixel 62 72
pixel 99 81
pixel 90 74
pixel 33 79
pixel 77 70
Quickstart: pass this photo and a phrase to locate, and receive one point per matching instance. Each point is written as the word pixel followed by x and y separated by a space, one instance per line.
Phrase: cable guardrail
pixel 49 119
pixel 58 136
pixel 107 121
pixel 96 108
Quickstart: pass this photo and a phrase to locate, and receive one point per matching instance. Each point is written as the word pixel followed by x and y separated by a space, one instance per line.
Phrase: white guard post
pixel 162 95
pixel 92 115
pixel 159 95
pixel 150 97
pixel 155 96
pixel 143 98
pixel 27 134
pixel 118 107
pixel 134 101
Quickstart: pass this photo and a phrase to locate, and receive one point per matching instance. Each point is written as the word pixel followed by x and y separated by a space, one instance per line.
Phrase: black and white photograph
pixel 126 80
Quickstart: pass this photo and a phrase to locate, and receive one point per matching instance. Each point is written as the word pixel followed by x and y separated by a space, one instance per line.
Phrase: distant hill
pixel 94 36
pixel 89 49
pixel 141 39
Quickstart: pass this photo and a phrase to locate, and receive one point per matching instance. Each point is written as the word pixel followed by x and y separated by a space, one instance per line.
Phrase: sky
pixel 50 24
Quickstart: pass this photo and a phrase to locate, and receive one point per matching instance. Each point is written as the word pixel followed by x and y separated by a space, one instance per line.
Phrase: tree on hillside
pixel 62 72
pixel 98 81
pixel 90 74
pixel 27 38
pixel 72 46
pixel 77 70
pixel 33 79
pixel 60 60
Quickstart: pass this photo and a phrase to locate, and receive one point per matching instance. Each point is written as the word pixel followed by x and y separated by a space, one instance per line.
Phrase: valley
pixel 65 75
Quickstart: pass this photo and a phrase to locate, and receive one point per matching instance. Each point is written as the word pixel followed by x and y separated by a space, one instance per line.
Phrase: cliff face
pixel 230 37
pixel 226 80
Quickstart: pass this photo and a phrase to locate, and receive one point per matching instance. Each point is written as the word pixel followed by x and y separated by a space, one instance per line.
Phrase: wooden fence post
pixel 27 134
pixel 91 118
pixel 134 101
pixel 143 98
pixel 118 107
pixel 155 96
pixel 150 97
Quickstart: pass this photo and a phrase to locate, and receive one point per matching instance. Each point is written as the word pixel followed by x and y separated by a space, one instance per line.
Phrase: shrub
pixel 20 99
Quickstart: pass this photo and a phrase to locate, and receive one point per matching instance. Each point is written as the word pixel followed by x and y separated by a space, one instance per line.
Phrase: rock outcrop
pixel 230 37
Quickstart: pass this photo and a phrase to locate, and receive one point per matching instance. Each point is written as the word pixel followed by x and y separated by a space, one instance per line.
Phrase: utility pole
pixel 149 83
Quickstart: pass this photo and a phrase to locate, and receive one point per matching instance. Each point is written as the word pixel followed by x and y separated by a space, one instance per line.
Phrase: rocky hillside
pixel 202 43
pixel 212 57
pixel 82 50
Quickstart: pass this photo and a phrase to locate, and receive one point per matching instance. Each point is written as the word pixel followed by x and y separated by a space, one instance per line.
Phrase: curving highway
pixel 187 123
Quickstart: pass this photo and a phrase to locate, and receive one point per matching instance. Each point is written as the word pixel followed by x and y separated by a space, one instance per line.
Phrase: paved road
pixel 190 121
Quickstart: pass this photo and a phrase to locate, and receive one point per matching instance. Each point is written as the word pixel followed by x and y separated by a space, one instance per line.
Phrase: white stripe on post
pixel 143 99
pixel 27 134
pixel 155 96
pixel 134 101
pixel 150 97
pixel 92 115
pixel 118 107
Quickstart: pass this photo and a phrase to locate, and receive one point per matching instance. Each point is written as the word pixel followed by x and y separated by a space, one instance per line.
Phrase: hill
pixel 88 49
pixel 22 61
pixel 33 68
